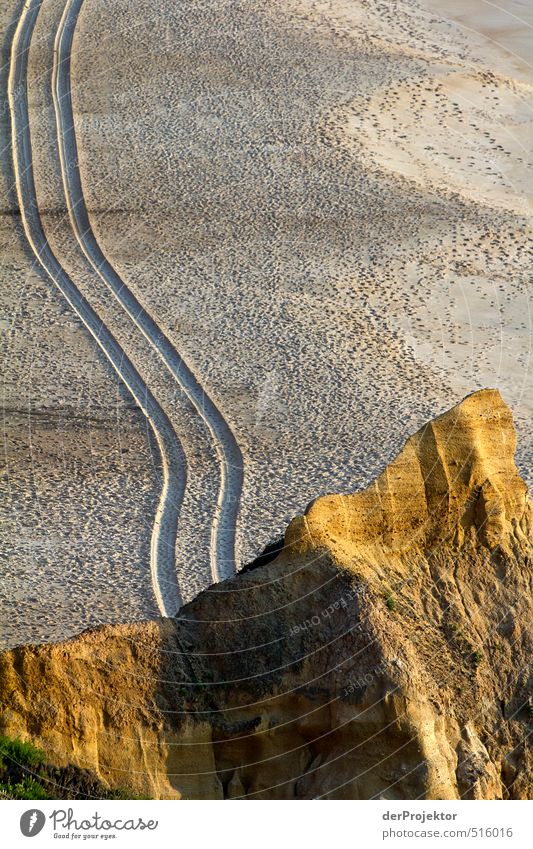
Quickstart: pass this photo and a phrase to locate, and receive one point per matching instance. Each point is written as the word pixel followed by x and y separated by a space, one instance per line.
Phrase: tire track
pixel 223 529
pixel 163 541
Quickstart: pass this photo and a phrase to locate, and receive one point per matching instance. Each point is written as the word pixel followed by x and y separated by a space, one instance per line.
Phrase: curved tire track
pixel 162 553
pixel 223 529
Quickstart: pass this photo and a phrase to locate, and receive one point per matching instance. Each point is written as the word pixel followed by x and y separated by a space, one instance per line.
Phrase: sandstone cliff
pixel 385 652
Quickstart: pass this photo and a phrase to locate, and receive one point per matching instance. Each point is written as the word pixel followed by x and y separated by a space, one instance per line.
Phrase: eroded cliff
pixel 385 652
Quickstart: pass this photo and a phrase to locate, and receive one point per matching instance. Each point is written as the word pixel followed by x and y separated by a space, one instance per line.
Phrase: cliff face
pixel 384 653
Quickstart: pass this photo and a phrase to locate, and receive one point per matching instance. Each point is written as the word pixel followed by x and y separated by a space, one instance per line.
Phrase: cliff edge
pixel 384 653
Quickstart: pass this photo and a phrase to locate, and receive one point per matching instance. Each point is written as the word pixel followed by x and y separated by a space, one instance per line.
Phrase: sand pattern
pixel 324 207
pixel 165 526
pixel 346 302
pixel 222 554
pixel 174 465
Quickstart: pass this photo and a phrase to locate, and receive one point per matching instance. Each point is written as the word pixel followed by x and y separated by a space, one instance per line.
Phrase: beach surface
pixel 503 30
pixel 325 207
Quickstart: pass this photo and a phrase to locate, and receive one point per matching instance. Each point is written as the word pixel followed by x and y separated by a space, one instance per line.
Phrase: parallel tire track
pixel 223 529
pixel 162 555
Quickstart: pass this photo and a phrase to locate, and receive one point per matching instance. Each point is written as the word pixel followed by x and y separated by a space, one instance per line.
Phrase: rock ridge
pixel 385 652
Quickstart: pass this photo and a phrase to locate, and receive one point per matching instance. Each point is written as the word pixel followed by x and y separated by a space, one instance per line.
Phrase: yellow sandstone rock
pixel 385 652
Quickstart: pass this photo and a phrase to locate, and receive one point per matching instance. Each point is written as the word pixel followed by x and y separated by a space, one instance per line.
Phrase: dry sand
pixel 503 31
pixel 79 471
pixel 325 206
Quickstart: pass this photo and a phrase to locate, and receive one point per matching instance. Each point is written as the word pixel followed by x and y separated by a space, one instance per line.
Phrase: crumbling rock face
pixel 384 653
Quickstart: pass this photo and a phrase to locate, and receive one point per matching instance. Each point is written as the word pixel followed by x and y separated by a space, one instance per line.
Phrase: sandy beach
pixel 325 208
pixel 502 30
